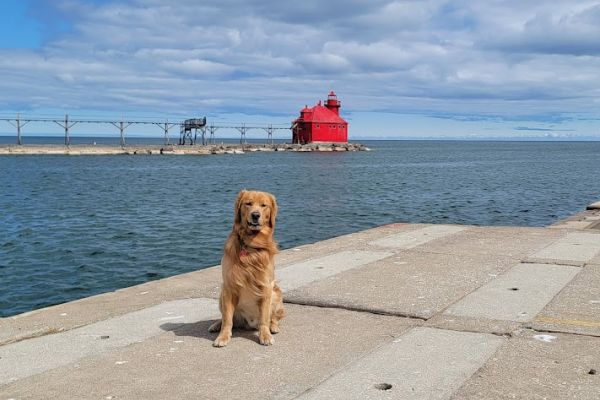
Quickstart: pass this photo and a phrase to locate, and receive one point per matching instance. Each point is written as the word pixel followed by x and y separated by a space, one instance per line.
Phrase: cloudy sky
pixel 422 68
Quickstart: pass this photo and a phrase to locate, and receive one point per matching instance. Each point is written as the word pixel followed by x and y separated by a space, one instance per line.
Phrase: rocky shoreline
pixel 176 149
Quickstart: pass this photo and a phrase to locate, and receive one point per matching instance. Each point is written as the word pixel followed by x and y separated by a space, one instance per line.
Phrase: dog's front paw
pixel 265 338
pixel 221 341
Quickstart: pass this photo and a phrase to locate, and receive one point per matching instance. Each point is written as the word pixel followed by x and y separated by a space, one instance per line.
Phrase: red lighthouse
pixel 321 123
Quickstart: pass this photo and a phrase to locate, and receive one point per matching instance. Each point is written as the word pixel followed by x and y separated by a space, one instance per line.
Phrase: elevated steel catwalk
pixel 185 128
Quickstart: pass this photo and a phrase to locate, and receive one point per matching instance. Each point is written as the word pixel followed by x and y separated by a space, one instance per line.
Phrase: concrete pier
pixel 403 311
pixel 81 150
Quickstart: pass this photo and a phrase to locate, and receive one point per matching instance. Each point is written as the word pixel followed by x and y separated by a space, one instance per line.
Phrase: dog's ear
pixel 238 206
pixel 274 210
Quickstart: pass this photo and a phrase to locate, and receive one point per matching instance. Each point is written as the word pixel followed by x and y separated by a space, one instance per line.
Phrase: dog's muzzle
pixel 254 222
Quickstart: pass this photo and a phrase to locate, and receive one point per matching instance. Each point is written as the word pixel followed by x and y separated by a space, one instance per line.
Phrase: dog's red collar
pixel 243 251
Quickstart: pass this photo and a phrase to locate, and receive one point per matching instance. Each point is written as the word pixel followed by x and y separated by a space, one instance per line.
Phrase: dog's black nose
pixel 255 215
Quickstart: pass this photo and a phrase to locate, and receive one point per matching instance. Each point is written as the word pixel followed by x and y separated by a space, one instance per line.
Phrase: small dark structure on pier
pixel 190 125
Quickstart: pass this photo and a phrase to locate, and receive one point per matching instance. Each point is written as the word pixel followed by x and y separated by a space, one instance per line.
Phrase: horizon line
pixel 580 138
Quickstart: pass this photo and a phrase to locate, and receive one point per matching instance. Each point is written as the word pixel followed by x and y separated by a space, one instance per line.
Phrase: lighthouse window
pixel 318 126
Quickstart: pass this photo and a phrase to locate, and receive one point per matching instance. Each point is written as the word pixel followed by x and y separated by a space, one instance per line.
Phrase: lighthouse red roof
pixel 320 113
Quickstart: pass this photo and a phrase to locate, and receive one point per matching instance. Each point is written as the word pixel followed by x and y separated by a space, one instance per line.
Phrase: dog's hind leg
pixel 277 310
pixel 215 327
pixel 275 318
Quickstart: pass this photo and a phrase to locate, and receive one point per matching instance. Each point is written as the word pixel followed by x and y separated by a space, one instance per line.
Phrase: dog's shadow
pixel 200 330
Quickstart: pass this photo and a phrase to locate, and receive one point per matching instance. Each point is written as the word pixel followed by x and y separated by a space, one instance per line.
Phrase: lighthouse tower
pixel 332 103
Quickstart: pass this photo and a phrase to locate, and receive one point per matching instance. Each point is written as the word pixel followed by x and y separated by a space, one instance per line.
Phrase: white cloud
pixel 198 68
pixel 564 30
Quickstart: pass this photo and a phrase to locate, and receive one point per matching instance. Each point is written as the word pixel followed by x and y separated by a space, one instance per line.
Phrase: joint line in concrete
pixel 356 309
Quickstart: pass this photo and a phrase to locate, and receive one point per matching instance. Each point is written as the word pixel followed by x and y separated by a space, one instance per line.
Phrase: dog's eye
pixel 248 203
pixel 263 205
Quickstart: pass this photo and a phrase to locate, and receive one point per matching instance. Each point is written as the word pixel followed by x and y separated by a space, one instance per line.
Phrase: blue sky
pixel 17 30
pixel 412 68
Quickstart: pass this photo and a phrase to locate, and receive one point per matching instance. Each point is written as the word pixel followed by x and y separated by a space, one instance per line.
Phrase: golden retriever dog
pixel 250 298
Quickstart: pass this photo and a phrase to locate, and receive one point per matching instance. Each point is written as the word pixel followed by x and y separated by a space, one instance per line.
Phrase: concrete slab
pixel 502 241
pixel 538 366
pixel 300 274
pixel 409 240
pixel 181 363
pixel 411 283
pixel 62 317
pixel 576 309
pixel 425 363
pixel 518 295
pixel 44 353
pixel 354 241
pixel 575 246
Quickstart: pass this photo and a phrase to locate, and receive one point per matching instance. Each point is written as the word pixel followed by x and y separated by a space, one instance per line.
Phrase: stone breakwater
pixel 176 150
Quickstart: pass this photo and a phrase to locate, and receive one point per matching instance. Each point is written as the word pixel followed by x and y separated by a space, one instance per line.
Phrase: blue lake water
pixel 71 227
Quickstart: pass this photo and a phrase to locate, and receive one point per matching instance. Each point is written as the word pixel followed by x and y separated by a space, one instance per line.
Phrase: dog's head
pixel 255 211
